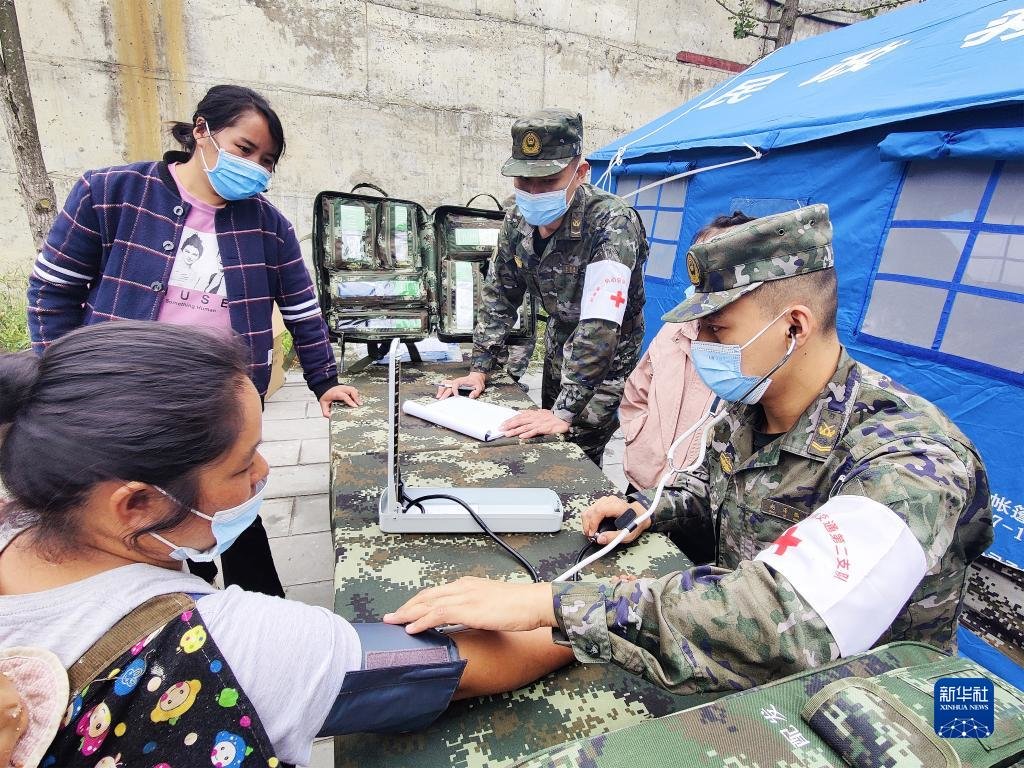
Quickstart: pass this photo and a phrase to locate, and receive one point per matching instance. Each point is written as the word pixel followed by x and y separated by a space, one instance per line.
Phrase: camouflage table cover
pixel 377 572
pixel 366 428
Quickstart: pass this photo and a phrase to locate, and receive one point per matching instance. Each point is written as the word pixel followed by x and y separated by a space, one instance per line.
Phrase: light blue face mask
pixel 721 368
pixel 545 207
pixel 233 177
pixel 227 525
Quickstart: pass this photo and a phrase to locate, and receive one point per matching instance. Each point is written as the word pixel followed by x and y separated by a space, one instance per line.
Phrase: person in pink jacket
pixel 664 395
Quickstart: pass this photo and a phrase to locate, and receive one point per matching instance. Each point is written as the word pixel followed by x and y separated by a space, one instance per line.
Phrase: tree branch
pixel 886 4
pixel 739 13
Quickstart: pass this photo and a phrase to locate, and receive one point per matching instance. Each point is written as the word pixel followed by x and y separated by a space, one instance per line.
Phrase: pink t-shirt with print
pixel 196 294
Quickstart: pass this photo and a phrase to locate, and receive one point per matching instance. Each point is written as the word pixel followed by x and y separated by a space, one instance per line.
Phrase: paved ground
pixel 296 511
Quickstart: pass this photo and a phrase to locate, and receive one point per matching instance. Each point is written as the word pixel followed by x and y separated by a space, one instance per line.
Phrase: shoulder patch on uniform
pixel 826 433
pixel 725 462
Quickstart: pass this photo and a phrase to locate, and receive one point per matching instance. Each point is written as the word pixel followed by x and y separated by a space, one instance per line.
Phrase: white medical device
pixel 411 510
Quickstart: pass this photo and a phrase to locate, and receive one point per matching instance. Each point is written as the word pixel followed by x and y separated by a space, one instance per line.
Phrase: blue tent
pixel 909 126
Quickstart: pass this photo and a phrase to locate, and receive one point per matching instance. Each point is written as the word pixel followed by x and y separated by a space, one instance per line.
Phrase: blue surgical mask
pixel 226 526
pixel 234 177
pixel 545 207
pixel 721 368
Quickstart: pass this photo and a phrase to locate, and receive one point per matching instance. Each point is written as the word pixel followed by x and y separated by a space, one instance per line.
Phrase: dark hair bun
pixel 18 375
pixel 182 133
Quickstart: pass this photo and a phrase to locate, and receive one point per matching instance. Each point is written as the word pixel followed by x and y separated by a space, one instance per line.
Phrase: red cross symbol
pixel 618 299
pixel 786 540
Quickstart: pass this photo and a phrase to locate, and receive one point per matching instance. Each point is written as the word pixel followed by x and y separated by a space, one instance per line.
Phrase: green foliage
pixel 13 312
pixel 744 23
pixel 539 350
pixel 745 19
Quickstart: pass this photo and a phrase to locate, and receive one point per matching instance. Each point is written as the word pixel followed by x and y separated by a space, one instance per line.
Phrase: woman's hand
pixel 342 393
pixel 478 604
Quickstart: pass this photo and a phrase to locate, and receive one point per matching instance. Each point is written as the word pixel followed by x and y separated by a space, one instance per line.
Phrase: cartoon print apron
pixel 169 701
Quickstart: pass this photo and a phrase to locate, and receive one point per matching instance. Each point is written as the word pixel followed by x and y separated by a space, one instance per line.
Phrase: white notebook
pixel 470 417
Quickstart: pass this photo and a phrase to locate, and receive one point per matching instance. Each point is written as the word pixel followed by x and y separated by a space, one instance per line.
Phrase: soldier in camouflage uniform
pixel 800 577
pixel 581 251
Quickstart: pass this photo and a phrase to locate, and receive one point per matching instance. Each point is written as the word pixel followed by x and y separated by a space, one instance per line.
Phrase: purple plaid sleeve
pixel 302 316
pixel 68 262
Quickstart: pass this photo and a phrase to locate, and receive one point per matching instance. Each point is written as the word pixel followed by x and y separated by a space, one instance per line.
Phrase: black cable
pixel 584 551
pixel 616 524
pixel 418 502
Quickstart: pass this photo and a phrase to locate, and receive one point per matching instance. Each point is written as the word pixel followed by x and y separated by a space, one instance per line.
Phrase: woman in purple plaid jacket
pixel 190 240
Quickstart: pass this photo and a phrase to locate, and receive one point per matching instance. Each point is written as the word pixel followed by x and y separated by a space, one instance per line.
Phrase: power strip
pixel 505 510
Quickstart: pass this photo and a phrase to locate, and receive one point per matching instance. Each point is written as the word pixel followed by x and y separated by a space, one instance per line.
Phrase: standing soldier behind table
pixel 581 251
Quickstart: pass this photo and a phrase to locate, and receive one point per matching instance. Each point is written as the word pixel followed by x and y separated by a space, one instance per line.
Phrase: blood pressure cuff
pixel 404 683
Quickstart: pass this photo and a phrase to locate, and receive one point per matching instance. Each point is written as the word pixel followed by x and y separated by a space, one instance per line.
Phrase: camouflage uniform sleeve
pixel 591 348
pixel 930 485
pixel 501 296
pixel 710 629
pixel 685 506
pixel 703 629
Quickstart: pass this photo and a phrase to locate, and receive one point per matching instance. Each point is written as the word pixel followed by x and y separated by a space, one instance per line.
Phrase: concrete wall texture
pixel 416 97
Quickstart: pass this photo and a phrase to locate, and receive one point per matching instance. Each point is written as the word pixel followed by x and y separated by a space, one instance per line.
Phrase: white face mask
pixel 227 525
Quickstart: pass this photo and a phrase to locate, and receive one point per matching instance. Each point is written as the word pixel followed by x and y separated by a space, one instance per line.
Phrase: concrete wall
pixel 417 97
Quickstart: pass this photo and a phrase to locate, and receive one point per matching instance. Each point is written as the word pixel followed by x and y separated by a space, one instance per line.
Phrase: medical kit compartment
pixel 386 267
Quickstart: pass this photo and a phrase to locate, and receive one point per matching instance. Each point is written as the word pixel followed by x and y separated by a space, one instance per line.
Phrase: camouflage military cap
pixel 544 142
pixel 735 262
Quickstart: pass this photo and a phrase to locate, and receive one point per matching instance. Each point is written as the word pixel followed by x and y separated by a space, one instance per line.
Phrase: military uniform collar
pixel 815 434
pixel 822 426
pixel 571 227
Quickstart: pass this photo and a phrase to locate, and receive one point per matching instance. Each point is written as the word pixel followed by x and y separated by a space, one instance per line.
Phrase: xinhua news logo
pixel 964 707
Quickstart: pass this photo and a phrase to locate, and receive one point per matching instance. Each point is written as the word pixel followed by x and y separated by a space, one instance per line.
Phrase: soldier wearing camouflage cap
pixel 843 510
pixel 581 251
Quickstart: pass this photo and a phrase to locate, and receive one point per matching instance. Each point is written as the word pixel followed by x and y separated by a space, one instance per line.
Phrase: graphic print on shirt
pixel 197 266
pixel 196 293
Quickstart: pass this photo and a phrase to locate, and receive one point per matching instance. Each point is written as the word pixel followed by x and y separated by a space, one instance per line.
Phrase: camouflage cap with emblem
pixel 544 142
pixel 735 262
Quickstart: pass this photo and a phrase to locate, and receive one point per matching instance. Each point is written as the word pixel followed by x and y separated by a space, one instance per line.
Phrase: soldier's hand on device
pixel 478 604
pixel 536 421
pixel 611 506
pixel 472 386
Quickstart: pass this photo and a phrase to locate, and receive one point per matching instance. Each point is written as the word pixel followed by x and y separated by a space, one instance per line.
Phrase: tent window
pixel 962 183
pixel 888 317
pixel 661 210
pixel 903 249
pixel 987 330
pixel 950 278
pixel 1007 205
pixel 997 262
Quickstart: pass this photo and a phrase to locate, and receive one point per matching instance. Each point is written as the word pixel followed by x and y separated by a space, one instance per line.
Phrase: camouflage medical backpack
pixel 868 711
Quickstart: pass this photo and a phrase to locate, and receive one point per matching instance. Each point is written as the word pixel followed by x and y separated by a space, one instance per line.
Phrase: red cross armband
pixel 605 288
pixel 856 562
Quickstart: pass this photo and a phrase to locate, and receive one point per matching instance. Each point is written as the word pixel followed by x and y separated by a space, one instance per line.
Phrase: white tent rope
pixel 621 151
pixel 694 171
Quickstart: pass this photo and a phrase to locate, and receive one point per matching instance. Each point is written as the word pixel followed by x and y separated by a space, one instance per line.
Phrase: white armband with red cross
pixel 605 288
pixel 856 562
